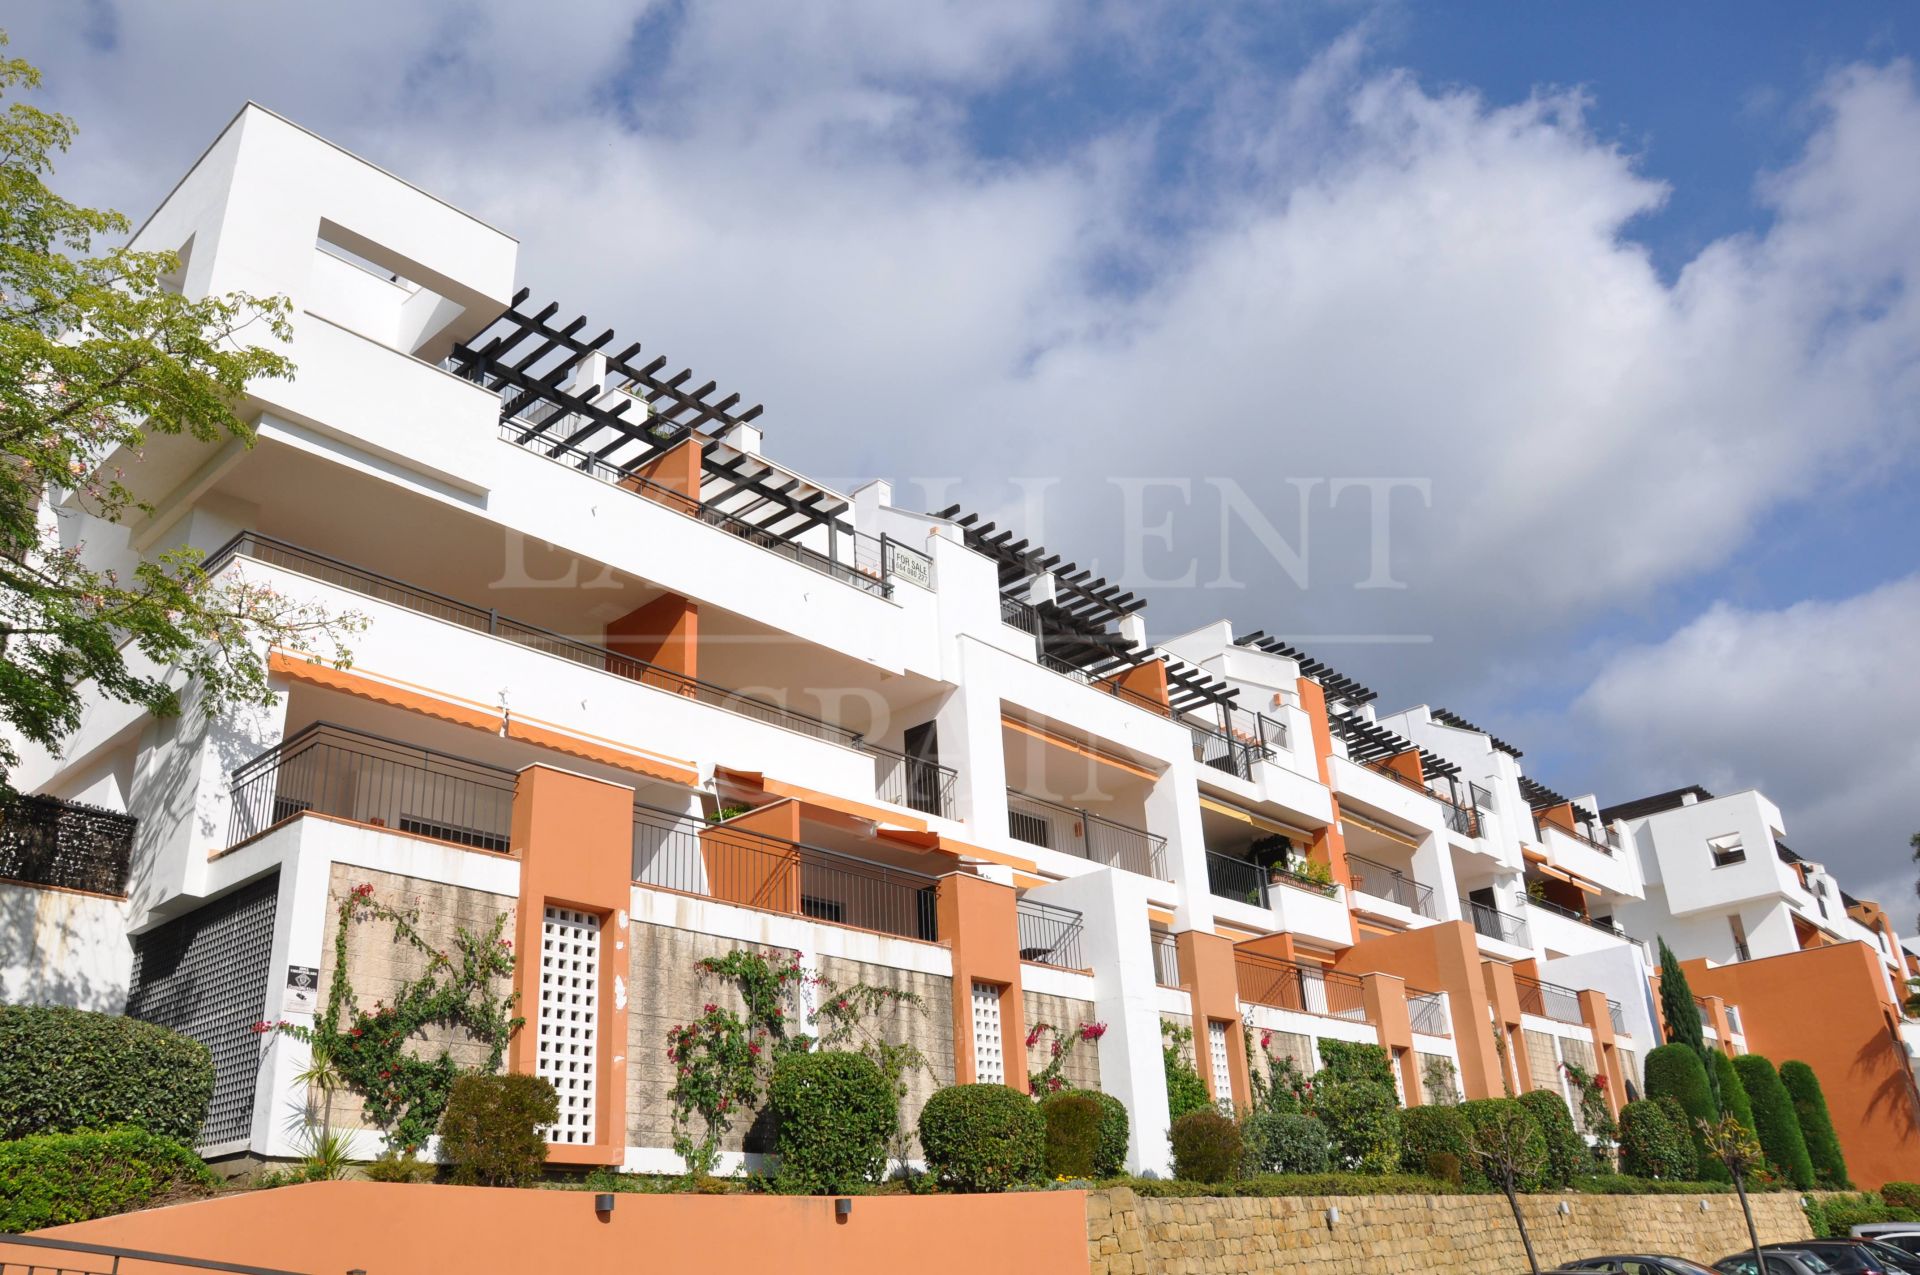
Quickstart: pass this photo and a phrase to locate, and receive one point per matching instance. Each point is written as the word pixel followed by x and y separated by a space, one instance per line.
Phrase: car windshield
pixel 1847 1259
pixel 1896 1258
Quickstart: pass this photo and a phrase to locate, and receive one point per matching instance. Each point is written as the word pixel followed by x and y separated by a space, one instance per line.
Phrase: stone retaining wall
pixel 1131 1234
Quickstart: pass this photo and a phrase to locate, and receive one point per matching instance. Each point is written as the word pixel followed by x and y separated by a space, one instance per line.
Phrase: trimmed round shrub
pixel 1114 1126
pixel 1652 1145
pixel 1499 1130
pixel 1363 1121
pixel 490 1134
pixel 1073 1134
pixel 63 1069
pixel 400 1168
pixel 1206 1147
pixel 1566 1152
pixel 1443 1166
pixel 834 1112
pixel 1733 1091
pixel 1775 1124
pixel 983 1137
pixel 1902 1195
pixel 1837 1215
pixel 1816 1126
pixel 55 1178
pixel 1429 1131
pixel 1676 1072
pixel 1284 1142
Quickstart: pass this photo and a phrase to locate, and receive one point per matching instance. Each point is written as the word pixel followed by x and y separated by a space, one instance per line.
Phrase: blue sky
pixel 1628 288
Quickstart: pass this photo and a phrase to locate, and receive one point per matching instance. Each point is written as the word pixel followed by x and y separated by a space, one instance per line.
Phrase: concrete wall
pixel 62 947
pixel 1082 1068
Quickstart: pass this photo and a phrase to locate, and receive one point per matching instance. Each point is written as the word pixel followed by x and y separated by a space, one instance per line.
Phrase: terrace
pixel 1299 986
pixel 1386 753
pixel 1490 922
pixel 1053 825
pixel 1549 1000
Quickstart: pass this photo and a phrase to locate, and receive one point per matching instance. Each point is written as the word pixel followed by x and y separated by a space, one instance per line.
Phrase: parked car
pixel 1904 1236
pixel 1638 1264
pixel 1782 1261
pixel 1851 1256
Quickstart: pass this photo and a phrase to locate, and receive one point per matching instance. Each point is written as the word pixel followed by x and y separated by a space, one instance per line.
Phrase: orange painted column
pixel 1212 984
pixel 1717 1019
pixel 664 634
pixel 1504 998
pixel 1385 998
pixel 1146 680
pixel 978 921
pixel 672 478
pixel 1606 1049
pixel 1442 958
pixel 574 838
pixel 1329 844
pixel 751 870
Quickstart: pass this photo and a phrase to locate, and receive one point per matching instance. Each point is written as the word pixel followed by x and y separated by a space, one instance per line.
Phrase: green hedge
pixel 1363 1120
pixel 1816 1126
pixel 1901 1195
pixel 1565 1151
pixel 1206 1147
pixel 1284 1142
pixel 1073 1135
pixel 1837 1215
pixel 1344 1060
pixel 1297 1184
pixel 55 1178
pixel 1114 1125
pixel 1733 1091
pixel 1654 1143
pixel 834 1112
pixel 1430 1131
pixel 1675 1071
pixel 64 1069
pixel 1775 1122
pixel 1483 1117
pixel 983 1137
pixel 490 1134
pixel 1627 1184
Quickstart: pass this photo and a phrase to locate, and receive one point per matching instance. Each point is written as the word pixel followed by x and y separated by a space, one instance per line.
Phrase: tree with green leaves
pixel 1775 1122
pixel 99 350
pixel 1733 1146
pixel 1816 1126
pixel 1505 1145
pixel 1682 1015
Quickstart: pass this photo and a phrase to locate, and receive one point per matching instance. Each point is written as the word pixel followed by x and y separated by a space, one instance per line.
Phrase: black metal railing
pixel 1166 959
pixel 675 851
pixel 49 842
pixel 851 557
pixel 1050 935
pixel 1586 838
pixel 1462 819
pixel 1548 1000
pixel 1020 615
pixel 913 782
pixel 1495 924
pixel 1236 879
pixel 1617 1015
pixel 77 1257
pixel 1428 1012
pixel 349 774
pixel 278 553
pixel 1391 884
pixel 1574 915
pixel 1040 822
pixel 1299 986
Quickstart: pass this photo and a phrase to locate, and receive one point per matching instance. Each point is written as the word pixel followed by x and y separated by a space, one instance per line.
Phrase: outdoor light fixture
pixel 1703 1206
pixel 1333 1214
pixel 842 1209
pixel 603 1203
pixel 1566 1209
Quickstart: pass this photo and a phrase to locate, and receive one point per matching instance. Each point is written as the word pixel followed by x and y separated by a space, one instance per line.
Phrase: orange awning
pixel 1078 748
pixel 821 800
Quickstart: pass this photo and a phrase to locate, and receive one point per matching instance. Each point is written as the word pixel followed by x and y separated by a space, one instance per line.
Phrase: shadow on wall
pixel 62 948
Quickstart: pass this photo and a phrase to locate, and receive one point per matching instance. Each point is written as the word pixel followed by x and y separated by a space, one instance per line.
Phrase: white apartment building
pixel 635 683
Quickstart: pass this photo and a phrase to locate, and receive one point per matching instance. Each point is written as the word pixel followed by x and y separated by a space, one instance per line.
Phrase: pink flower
pixel 1033 1038
pixel 708 1009
pixel 1093 1031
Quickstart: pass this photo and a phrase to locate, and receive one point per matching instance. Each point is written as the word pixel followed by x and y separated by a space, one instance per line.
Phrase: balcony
pixel 913 782
pixel 1605 927
pixel 1494 924
pixel 1392 885
pixel 1428 1011
pixel 1617 1015
pixel 351 775
pixel 1236 879
pixel 677 852
pixel 1166 959
pixel 1050 935
pixel 45 841
pixel 1298 986
pixel 1070 830
pixel 1549 1000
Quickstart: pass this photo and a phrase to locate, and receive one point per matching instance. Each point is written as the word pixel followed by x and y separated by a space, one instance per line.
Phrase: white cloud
pixel 1815 703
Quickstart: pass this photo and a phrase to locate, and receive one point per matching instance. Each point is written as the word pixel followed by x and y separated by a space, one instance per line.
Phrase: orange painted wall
pixel 1441 958
pixel 1212 984
pixel 746 869
pixel 1828 1007
pixel 1329 844
pixel 673 477
pixel 1407 766
pixel 397 1229
pixel 574 838
pixel 1385 996
pixel 979 922
pixel 1147 679
pixel 1606 1049
pixel 664 633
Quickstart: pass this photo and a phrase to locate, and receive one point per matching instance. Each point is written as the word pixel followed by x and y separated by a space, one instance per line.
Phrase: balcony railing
pixel 1495 924
pixel 851 557
pixel 1391 884
pixel 1607 927
pixel 1604 847
pixel 1166 960
pixel 1462 820
pixel 1428 1010
pixel 1706 1018
pixel 49 842
pixel 1236 879
pixel 381 588
pixel 1733 1021
pixel 1048 824
pixel 1549 1000
pixel 1050 935
pixel 674 851
pixel 1303 988
pixel 348 774
pixel 913 782
pixel 1617 1015
pixel 1020 615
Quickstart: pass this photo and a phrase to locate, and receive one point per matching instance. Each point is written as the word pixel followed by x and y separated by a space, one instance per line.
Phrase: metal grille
pixel 46 841
pixel 1222 1074
pixel 1050 935
pixel 569 1018
pixel 205 975
pixel 1050 825
pixel 1428 1012
pixel 989 1065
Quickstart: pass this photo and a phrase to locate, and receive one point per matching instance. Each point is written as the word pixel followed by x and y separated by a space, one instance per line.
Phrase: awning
pixel 1265 823
pixel 1088 751
pixel 923 840
pixel 1391 834
pixel 823 800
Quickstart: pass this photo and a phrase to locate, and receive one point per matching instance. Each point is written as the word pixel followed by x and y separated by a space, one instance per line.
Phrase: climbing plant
pixel 404 1091
pixel 1185 1090
pixel 1596 1113
pixel 1049 1079
pixel 1276 1083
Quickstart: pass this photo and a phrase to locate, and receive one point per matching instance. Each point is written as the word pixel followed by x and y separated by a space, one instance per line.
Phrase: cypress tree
pixel 1734 1099
pixel 1816 1126
pixel 1683 1020
pixel 1675 1071
pixel 1775 1121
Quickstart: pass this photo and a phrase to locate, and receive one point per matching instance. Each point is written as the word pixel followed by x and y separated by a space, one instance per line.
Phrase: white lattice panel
pixel 569 1017
pixel 1222 1073
pixel 989 1062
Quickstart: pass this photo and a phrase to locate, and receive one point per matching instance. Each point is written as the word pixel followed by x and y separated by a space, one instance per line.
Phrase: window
pixel 1739 931
pixel 989 1066
pixel 1726 850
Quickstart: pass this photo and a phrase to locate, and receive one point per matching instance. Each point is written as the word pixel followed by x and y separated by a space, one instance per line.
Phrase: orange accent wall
pixel 979 922
pixel 746 869
pixel 1329 844
pixel 1147 679
pixel 664 633
pixel 1385 997
pixel 1407 766
pixel 388 1228
pixel 1212 984
pixel 1828 1007
pixel 1442 958
pixel 1606 1048
pixel 1560 816
pixel 574 839
pixel 673 477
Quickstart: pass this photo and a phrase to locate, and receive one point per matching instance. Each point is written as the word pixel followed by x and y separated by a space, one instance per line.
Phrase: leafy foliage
pixel 1566 1153
pixel 1732 1092
pixel 1114 1126
pixel 1049 1079
pixel 1835 1216
pixel 1506 1147
pixel 835 1114
pixel 1206 1147
pixel 1678 1010
pixel 983 1137
pixel 1274 1185
pixel 1431 1131
pixel 1073 1135
pixel 490 1134
pixel 1344 1060
pixel 98 351
pixel 393 1167
pixel 55 1178
pixel 1816 1126
pixel 1901 1195
pixel 1363 1120
pixel 1596 1110
pixel 1675 1071
pixel 1285 1142
pixel 1277 1083
pixel 1654 1145
pixel 403 1091
pixel 64 1069
pixel 1186 1092
pixel 1775 1122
